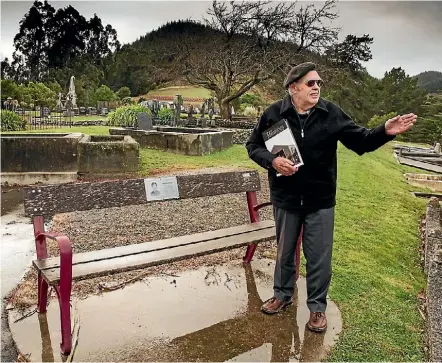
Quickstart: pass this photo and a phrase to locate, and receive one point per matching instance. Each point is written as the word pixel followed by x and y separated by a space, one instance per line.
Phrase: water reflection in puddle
pixel 209 314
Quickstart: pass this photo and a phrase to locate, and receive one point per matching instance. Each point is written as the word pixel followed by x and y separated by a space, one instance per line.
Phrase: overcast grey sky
pixel 406 33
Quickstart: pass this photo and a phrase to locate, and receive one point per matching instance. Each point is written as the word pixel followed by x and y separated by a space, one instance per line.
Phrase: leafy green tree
pixel 7 71
pixel 54 86
pixel 68 32
pixel 104 93
pixel 123 92
pixel 51 44
pixel 101 40
pixel 400 93
pixel 430 80
pixel 134 67
pixel 31 42
pixel 9 89
pixel 349 53
pixel 376 120
pixel 37 94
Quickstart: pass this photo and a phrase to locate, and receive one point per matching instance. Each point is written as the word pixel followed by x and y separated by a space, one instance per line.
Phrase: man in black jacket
pixel 306 196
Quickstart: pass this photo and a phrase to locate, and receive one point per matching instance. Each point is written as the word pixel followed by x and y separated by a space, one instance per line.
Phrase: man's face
pixel 307 89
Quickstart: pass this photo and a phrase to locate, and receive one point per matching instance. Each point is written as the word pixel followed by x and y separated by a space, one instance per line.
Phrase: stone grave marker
pixel 144 121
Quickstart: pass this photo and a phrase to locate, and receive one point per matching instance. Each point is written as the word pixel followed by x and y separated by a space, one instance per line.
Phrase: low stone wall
pixel 90 123
pixel 236 124
pixel 241 136
pixel 433 182
pixel 21 153
pixel 190 142
pixel 108 154
pixel 433 270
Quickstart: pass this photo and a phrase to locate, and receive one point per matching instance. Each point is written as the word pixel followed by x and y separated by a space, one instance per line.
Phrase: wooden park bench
pixel 42 202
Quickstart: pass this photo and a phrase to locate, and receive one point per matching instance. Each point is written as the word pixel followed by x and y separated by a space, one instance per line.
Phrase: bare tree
pixel 250 42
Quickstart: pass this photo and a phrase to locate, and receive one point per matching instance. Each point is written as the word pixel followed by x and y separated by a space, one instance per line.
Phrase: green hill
pixel 430 80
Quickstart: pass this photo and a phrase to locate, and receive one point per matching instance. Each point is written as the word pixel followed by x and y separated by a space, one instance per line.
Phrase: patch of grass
pixel 88 118
pixel 156 161
pixel 89 130
pixel 185 91
pixel 376 271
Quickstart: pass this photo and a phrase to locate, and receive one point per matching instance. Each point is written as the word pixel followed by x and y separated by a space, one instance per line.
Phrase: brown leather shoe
pixel 274 305
pixel 317 322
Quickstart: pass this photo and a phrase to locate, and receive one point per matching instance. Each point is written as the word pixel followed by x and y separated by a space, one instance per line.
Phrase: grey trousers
pixel 317 243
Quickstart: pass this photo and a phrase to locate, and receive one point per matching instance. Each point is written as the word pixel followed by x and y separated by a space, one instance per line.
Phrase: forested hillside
pixel 430 80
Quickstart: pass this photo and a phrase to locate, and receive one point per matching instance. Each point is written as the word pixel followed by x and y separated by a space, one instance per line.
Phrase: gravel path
pixel 105 228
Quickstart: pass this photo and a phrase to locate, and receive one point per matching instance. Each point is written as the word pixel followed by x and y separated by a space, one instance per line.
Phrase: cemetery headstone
pixel 203 109
pixel 178 103
pixel 144 121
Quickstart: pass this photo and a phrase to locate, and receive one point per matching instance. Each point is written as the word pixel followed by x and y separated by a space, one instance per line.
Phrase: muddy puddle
pixel 11 198
pixel 209 314
pixel 16 241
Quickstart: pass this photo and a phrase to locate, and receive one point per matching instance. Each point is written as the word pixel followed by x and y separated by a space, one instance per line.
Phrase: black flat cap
pixel 298 72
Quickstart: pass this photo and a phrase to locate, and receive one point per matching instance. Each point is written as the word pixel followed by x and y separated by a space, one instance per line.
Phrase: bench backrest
pixel 52 199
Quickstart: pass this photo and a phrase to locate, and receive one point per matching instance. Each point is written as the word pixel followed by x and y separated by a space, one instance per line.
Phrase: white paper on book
pixel 279 140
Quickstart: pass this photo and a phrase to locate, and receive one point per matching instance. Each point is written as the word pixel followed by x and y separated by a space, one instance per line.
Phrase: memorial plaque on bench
pixel 144 121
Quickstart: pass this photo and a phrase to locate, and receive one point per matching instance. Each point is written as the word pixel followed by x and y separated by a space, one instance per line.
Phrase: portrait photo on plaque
pixel 161 188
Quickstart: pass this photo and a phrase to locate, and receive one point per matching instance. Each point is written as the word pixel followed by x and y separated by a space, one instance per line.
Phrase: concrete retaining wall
pixel 39 152
pixel 433 182
pixel 195 142
pixel 108 154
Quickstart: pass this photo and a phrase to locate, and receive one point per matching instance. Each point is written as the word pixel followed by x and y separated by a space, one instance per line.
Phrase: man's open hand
pixel 284 166
pixel 400 124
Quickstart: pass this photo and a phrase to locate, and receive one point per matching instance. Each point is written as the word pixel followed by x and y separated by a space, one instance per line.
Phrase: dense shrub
pixel 380 119
pixel 11 121
pixel 250 111
pixel 128 101
pixel 126 115
pixel 166 114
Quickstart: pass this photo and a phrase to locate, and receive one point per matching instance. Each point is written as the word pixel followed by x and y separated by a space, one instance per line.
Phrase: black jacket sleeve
pixel 256 147
pixel 360 139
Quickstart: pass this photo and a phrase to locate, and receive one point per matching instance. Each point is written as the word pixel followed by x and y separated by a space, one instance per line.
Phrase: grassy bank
pixel 376 272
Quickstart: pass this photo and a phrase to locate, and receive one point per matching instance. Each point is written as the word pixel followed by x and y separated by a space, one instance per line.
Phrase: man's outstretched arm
pixel 362 140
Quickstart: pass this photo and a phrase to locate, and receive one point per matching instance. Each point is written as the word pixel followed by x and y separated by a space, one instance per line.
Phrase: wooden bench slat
pixel 121 264
pixel 122 251
pixel 52 199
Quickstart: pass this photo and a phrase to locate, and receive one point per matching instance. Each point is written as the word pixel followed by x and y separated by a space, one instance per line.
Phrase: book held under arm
pixel 279 140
